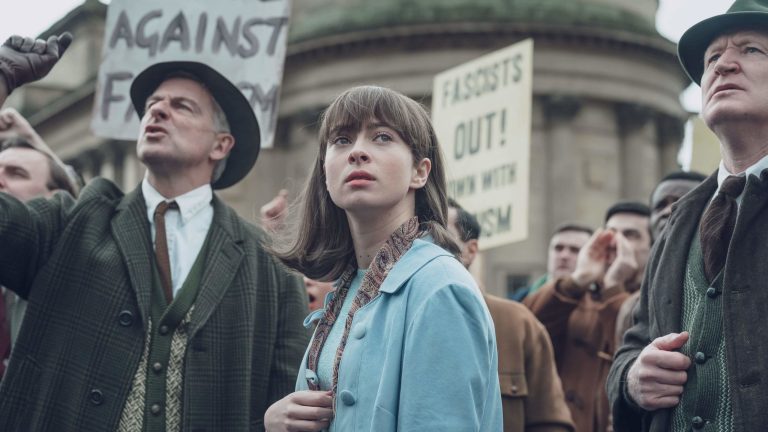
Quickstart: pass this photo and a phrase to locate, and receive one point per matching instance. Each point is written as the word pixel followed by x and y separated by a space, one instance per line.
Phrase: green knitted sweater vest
pixel 154 403
pixel 705 404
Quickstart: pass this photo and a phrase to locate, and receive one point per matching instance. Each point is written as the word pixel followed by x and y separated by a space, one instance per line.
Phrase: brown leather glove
pixel 24 60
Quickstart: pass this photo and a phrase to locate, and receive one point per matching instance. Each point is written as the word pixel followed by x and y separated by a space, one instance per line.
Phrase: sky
pixel 673 18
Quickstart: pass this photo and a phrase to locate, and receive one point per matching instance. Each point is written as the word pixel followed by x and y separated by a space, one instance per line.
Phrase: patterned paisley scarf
pixel 399 243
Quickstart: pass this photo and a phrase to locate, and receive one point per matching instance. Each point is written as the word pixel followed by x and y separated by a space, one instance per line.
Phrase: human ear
pixel 421 173
pixel 223 145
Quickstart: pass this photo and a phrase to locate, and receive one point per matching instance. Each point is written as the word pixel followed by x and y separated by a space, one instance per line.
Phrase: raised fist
pixel 24 60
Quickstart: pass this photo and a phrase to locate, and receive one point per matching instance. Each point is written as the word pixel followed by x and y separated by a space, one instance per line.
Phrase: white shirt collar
pixel 755 170
pixel 190 203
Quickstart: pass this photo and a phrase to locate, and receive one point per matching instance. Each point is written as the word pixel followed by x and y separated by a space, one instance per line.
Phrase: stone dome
pixel 320 18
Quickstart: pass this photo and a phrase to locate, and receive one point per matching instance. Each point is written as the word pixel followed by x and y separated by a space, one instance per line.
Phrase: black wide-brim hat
pixel 743 14
pixel 242 121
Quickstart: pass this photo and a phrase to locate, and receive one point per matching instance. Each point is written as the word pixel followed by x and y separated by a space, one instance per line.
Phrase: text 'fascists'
pixel 482 80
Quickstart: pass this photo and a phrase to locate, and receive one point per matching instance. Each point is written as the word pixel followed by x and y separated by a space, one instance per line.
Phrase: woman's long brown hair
pixel 322 247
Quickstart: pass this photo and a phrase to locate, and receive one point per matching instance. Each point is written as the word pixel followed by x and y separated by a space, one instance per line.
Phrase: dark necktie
pixel 161 247
pixel 717 225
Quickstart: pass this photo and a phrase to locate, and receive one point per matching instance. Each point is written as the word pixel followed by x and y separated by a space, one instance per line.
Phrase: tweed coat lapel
pixel 223 259
pixel 131 231
pixel 753 201
pixel 668 281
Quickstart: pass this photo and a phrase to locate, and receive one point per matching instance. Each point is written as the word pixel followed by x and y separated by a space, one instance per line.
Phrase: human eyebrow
pixel 150 100
pixel 714 48
pixel 340 129
pixel 17 170
pixel 184 100
pixel 379 125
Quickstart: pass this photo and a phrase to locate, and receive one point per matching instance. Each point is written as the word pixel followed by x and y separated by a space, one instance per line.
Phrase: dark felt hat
pixel 242 121
pixel 694 42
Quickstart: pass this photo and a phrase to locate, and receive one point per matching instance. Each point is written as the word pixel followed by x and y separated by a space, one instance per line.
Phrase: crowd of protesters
pixel 160 309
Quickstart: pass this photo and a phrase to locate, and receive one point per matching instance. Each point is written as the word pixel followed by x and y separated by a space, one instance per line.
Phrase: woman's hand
pixel 301 411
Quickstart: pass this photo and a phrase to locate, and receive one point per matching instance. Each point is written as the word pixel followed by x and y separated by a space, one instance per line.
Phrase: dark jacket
pixel 531 393
pixel 85 267
pixel 745 296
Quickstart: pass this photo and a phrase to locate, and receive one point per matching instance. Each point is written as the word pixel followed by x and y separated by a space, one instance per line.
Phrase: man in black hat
pixel 159 309
pixel 696 359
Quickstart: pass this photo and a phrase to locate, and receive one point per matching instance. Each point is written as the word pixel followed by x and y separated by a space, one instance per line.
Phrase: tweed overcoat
pixel 531 393
pixel 85 268
pixel 745 296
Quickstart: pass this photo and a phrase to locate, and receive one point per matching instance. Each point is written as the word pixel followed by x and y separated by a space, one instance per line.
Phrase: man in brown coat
pixel 532 398
pixel 580 311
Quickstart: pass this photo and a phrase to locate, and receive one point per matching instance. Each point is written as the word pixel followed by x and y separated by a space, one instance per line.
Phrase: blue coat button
pixel 359 331
pixel 347 398
pixel 311 377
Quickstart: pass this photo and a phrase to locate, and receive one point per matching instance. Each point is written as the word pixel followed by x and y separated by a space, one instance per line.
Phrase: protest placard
pixel 482 115
pixel 245 40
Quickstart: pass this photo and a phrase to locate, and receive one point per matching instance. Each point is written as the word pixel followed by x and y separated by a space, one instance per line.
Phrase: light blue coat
pixel 421 356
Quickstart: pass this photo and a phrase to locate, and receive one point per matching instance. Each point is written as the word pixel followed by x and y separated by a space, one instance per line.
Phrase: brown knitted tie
pixel 161 247
pixel 717 225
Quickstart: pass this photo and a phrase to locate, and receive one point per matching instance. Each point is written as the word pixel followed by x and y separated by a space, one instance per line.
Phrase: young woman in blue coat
pixel 405 341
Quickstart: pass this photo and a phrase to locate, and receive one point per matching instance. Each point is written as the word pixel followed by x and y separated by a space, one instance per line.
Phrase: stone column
pixel 90 164
pixel 108 156
pixel 563 158
pixel 132 169
pixel 639 151
pixel 671 131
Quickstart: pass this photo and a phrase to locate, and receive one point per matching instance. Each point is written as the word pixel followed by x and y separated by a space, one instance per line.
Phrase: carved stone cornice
pixel 480 35
pixel 631 117
pixel 559 108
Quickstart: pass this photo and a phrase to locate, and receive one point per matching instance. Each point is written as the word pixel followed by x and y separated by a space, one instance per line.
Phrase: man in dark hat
pixel 697 358
pixel 159 309
pixel 580 310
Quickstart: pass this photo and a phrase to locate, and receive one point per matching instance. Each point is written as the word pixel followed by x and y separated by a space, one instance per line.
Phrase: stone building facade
pixel 607 121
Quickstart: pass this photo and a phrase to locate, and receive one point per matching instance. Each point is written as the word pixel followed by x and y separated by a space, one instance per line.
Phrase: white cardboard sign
pixel 482 115
pixel 244 40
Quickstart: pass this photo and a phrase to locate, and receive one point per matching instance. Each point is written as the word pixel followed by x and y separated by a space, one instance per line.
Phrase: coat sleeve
pixel 449 380
pixel 292 337
pixel 28 234
pixel 545 409
pixel 553 308
pixel 627 416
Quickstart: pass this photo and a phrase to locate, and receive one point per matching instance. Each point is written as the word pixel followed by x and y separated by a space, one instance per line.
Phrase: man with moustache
pixel 157 310
pixel 697 358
